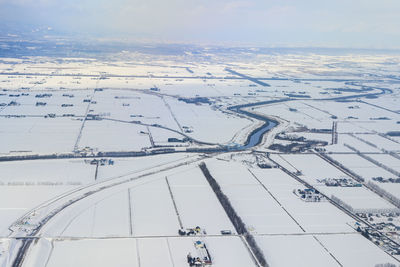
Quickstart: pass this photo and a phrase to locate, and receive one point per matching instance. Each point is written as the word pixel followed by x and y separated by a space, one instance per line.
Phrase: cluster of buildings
pixel 43 95
pixel 386 180
pixel 384 230
pixel 187 129
pixel 101 162
pixel 203 257
pixel 38 104
pixel 309 195
pixel 68 95
pixel 342 182
pixel 386 242
pixel 93 117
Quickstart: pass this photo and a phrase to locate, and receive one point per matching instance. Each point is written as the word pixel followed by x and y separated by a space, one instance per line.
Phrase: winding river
pixel 255 137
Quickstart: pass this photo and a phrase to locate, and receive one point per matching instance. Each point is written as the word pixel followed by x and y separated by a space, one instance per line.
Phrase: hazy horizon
pixel 344 24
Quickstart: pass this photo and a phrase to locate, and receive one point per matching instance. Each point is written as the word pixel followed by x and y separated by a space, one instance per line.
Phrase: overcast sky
pixel 335 23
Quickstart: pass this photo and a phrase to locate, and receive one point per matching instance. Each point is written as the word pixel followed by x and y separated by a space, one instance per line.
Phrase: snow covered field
pixel 208 124
pixel 25 185
pixel 197 203
pixel 144 252
pixel 359 198
pixel 303 250
pixel 114 136
pixel 356 252
pixel 361 166
pixel 125 210
pixel 313 217
pixel 38 135
pixel 271 207
pixel 306 250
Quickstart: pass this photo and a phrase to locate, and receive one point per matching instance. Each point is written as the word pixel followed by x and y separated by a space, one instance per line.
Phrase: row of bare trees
pixel 233 216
